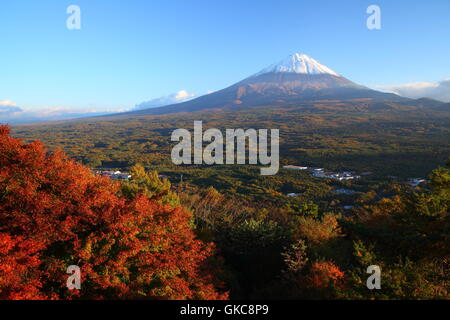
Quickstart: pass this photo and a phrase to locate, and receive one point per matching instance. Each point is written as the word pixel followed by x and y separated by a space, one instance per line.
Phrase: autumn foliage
pixel 54 213
pixel 324 274
pixel 139 239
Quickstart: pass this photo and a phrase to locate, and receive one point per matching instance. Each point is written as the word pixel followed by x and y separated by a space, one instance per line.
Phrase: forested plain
pixel 316 245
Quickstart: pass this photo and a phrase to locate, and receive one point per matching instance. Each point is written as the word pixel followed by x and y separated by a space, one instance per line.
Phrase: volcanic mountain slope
pixel 297 78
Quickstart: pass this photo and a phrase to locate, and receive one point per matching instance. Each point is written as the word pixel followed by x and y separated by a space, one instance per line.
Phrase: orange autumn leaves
pixel 54 213
pixel 326 273
pixel 17 257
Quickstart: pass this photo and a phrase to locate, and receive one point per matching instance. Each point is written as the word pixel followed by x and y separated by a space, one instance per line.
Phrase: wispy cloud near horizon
pixel 173 98
pixel 434 90
pixel 8 103
pixel 12 114
pixel 8 108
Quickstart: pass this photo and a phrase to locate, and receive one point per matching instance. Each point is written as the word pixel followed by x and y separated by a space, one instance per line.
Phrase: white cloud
pixel 173 98
pixel 15 115
pixel 6 111
pixel 8 103
pixel 183 95
pixel 8 108
pixel 434 90
pixel 11 113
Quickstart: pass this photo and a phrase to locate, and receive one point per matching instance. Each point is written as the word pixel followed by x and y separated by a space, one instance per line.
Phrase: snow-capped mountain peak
pixel 298 63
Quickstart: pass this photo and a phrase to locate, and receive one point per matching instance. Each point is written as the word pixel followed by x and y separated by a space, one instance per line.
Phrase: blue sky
pixel 132 51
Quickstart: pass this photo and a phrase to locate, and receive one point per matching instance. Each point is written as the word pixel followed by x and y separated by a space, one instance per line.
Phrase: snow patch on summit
pixel 298 63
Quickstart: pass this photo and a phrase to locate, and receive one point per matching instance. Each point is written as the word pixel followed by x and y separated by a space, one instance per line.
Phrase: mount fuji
pixel 296 79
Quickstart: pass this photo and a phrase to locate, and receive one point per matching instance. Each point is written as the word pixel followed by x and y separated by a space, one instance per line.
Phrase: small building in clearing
pixel 290 167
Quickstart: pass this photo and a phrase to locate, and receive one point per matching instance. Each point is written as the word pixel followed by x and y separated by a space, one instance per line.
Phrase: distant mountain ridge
pixel 296 79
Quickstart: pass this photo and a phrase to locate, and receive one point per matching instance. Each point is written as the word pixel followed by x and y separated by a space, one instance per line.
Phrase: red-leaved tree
pixel 54 213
